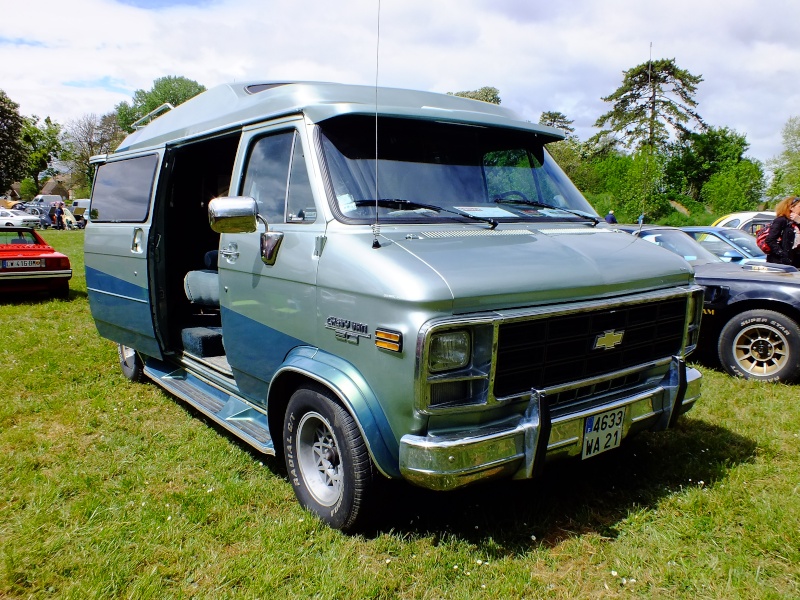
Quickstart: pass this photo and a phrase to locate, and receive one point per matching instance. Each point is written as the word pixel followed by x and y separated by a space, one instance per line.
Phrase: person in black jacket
pixel 784 234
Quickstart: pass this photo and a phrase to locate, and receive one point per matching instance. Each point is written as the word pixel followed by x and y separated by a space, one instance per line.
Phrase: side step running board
pixel 234 413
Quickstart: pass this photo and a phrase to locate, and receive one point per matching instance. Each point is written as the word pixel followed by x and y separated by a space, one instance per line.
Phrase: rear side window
pixel 122 190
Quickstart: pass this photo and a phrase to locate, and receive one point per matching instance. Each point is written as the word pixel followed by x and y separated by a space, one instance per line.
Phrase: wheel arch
pixel 789 307
pixel 306 365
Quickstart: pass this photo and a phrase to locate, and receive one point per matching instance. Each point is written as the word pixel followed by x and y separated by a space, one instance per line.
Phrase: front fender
pixel 344 380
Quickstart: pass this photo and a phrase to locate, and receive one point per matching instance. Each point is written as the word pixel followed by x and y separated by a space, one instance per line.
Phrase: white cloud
pixel 65 59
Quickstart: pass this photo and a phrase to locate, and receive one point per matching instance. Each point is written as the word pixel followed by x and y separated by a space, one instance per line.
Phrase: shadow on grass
pixel 572 497
pixel 38 297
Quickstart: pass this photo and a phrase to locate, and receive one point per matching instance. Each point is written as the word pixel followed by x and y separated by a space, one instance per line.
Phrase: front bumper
pixel 518 449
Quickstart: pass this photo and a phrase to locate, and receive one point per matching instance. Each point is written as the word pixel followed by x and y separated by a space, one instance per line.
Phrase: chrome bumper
pixel 518 450
pixel 40 274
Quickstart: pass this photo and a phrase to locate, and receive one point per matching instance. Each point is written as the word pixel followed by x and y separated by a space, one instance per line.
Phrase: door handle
pixel 230 252
pixel 136 241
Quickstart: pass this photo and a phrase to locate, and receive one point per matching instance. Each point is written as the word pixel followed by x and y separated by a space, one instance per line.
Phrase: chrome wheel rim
pixel 761 350
pixel 318 458
pixel 128 356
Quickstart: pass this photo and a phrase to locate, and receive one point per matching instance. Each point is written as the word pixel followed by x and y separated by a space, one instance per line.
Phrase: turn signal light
pixel 389 340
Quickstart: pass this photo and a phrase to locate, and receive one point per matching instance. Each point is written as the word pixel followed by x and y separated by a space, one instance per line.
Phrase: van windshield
pixel 431 171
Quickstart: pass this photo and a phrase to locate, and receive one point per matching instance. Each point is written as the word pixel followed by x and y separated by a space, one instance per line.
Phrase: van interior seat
pixel 202 285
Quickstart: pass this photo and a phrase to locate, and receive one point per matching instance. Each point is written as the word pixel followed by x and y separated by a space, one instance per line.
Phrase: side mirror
pixel 233 214
pixel 732 256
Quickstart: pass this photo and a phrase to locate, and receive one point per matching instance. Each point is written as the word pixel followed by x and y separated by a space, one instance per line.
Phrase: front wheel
pixel 761 344
pixel 131 363
pixel 326 459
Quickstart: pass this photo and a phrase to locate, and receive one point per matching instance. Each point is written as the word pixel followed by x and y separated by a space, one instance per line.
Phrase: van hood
pixel 536 266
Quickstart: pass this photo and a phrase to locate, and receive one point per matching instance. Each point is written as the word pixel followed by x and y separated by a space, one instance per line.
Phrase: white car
pixel 17 218
pixel 750 221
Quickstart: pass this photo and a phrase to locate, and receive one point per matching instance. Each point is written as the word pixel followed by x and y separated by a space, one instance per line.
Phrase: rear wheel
pixel 326 458
pixel 761 344
pixel 131 363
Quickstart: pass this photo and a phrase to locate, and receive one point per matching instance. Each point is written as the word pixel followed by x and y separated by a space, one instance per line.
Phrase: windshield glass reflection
pixel 434 171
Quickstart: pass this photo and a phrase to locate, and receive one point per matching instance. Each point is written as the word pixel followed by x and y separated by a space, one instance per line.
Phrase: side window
pixel 276 177
pixel 122 190
pixel 300 206
pixel 267 174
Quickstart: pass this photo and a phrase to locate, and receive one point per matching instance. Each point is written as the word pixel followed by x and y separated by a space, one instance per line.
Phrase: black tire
pixel 62 291
pixel 131 363
pixel 326 459
pixel 762 345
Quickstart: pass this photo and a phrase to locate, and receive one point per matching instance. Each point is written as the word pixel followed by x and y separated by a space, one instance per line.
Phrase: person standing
pixel 60 216
pixel 610 218
pixel 784 233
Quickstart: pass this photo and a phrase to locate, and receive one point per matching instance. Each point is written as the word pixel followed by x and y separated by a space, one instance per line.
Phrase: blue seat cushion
pixel 202 287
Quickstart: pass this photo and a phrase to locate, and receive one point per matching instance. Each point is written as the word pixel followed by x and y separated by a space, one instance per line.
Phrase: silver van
pixel 382 283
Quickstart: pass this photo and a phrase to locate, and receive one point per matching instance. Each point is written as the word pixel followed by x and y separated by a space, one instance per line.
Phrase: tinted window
pixel 300 207
pixel 267 175
pixel 122 190
pixel 276 176
pixel 429 171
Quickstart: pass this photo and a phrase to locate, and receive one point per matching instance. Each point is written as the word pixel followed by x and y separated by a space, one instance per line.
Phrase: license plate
pixel 602 432
pixel 19 264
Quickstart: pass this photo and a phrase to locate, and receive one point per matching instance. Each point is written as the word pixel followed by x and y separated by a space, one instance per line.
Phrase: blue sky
pixel 156 4
pixel 67 59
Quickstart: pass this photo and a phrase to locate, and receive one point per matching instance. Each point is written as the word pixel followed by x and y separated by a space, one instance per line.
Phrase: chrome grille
pixel 555 350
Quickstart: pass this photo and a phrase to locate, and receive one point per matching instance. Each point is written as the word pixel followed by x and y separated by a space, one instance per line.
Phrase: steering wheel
pixel 509 193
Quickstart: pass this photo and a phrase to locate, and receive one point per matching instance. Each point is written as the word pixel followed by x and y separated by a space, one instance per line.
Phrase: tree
pixel 484 94
pixel 786 166
pixel 28 189
pixel 12 153
pixel 42 145
pixel 558 120
pixel 169 89
pixel 734 188
pixel 83 138
pixel 655 100
pixel 698 156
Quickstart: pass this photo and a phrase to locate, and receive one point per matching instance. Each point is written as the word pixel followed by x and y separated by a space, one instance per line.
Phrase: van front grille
pixel 550 351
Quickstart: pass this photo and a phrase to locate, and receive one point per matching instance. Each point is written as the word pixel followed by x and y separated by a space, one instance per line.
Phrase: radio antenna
pixel 376 227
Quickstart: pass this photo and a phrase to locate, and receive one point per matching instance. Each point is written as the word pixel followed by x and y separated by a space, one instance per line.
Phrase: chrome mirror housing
pixel 233 214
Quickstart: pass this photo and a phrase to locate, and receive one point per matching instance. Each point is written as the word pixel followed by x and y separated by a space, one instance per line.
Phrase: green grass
pixel 112 489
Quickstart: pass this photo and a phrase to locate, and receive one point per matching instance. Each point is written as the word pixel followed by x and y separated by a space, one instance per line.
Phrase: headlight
pixel 449 351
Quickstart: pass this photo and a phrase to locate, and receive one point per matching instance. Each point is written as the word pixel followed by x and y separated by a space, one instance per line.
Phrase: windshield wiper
pixel 594 220
pixel 400 204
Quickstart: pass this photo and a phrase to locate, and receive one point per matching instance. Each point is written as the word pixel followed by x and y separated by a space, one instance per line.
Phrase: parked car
pixel 731 245
pixel 750 313
pixel 750 221
pixel 69 219
pixel 28 263
pixel 43 214
pixel 17 218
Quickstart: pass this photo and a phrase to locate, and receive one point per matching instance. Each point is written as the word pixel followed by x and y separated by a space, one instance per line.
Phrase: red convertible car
pixel 28 263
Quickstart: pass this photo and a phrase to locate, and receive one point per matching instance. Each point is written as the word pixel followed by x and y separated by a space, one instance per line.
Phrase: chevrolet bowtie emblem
pixel 608 340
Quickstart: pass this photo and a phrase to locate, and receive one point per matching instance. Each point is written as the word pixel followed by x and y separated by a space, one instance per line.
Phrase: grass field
pixel 110 489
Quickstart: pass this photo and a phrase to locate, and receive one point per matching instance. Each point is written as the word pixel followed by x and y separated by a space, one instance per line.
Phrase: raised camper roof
pixel 229 106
